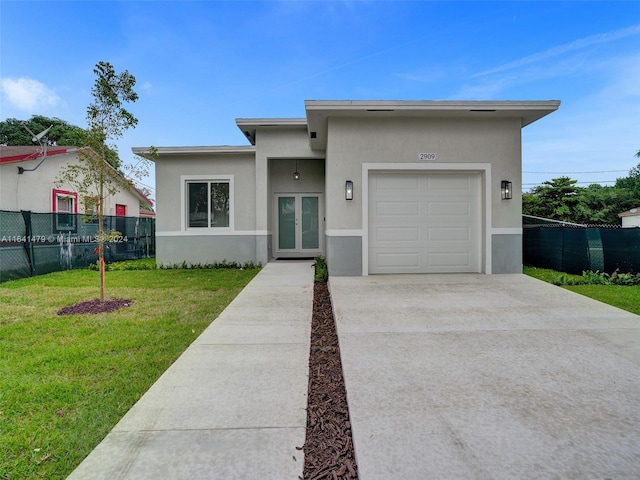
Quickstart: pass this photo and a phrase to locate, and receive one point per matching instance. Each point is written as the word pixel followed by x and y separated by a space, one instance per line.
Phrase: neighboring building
pixel 374 186
pixel 27 182
pixel 630 218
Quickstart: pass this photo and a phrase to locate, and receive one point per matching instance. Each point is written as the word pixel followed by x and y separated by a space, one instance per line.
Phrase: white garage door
pixel 424 222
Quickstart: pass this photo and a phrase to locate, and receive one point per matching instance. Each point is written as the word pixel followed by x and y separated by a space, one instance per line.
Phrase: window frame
pixel 91 207
pixel 185 180
pixel 56 195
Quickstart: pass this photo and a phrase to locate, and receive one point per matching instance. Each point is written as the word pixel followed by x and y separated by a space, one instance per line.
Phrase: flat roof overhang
pixel 319 111
pixel 249 126
pixel 146 152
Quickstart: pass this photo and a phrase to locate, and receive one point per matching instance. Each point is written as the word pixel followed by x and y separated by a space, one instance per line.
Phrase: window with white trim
pixel 65 207
pixel 208 203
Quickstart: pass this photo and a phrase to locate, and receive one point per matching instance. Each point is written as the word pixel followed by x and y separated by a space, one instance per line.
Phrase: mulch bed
pixel 95 306
pixel 328 447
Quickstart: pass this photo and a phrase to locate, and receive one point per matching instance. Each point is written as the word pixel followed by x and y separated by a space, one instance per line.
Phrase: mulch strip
pixel 95 306
pixel 328 447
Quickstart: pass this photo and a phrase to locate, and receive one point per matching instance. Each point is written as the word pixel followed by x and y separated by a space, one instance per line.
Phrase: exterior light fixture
pixel 296 174
pixel 506 190
pixel 348 190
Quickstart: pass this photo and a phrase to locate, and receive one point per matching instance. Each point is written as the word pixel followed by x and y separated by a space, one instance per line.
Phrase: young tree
pixel 107 119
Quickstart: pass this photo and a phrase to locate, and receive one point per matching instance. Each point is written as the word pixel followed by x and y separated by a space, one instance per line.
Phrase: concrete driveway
pixel 487 377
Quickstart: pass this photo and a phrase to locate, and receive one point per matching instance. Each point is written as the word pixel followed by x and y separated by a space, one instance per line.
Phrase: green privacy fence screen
pixel 575 250
pixel 37 243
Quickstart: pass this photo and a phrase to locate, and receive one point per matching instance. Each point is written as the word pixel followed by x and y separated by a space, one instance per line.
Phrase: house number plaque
pixel 427 156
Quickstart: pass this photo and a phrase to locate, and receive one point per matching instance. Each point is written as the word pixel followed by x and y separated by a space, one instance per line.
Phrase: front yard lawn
pixel 65 381
pixel 624 297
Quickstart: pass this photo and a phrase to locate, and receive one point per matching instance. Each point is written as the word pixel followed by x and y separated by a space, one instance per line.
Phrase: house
pixel 28 183
pixel 630 218
pixel 43 226
pixel 374 186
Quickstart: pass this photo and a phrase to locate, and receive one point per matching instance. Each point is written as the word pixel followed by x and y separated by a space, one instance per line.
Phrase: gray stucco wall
pixel 276 152
pixel 506 251
pixel 175 243
pixel 344 256
pixel 170 169
pixel 206 249
pixel 352 142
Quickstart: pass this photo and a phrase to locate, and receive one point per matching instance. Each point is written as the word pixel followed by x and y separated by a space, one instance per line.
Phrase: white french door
pixel 299 225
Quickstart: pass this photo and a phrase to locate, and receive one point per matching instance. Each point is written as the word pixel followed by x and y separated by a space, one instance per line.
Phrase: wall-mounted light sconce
pixel 296 174
pixel 506 190
pixel 348 190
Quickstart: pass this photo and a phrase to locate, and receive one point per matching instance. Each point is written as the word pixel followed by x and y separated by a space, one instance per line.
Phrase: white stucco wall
pixel 631 221
pixel 32 190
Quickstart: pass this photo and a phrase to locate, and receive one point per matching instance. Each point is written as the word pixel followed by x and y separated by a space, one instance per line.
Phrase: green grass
pixel 65 381
pixel 624 297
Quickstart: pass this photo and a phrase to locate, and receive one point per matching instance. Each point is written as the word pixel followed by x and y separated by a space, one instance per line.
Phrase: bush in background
pixel 597 278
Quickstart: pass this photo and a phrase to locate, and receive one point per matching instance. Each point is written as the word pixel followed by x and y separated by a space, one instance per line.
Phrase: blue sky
pixel 201 64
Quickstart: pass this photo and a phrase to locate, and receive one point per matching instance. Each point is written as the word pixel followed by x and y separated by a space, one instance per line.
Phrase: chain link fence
pixel 37 243
pixel 579 249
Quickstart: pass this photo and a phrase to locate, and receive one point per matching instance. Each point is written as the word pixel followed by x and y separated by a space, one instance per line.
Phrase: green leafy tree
pixel 555 199
pixel 107 120
pixel 631 183
pixel 560 199
pixel 601 204
pixel 13 133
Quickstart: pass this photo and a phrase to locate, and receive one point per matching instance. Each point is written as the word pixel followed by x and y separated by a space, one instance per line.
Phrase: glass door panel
pixel 310 223
pixel 286 223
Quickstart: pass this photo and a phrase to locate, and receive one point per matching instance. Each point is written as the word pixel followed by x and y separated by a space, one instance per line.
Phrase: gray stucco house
pixel 374 186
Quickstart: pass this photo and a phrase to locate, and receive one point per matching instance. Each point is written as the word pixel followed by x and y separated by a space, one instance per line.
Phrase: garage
pixel 424 222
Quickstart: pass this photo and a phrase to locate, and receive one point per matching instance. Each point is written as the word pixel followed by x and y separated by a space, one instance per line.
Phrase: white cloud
pixel 565 48
pixel 428 76
pixel 28 94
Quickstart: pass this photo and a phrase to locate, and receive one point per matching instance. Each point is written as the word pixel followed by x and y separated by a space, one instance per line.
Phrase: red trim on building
pixel 35 155
pixel 147 214
pixel 63 193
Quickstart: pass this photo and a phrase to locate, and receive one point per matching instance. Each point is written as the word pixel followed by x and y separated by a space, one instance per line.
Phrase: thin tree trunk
pixel 101 238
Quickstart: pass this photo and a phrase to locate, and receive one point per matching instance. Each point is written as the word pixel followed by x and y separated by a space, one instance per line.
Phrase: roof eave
pixel 318 111
pixel 249 126
pixel 148 152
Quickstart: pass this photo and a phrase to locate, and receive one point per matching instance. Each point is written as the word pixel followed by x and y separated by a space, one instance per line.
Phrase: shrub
pixel 141 264
pixel 150 264
pixel 598 278
pixel 224 264
pixel 322 273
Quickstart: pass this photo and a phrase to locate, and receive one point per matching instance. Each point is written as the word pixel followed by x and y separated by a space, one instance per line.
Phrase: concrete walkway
pixel 487 377
pixel 448 377
pixel 233 406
